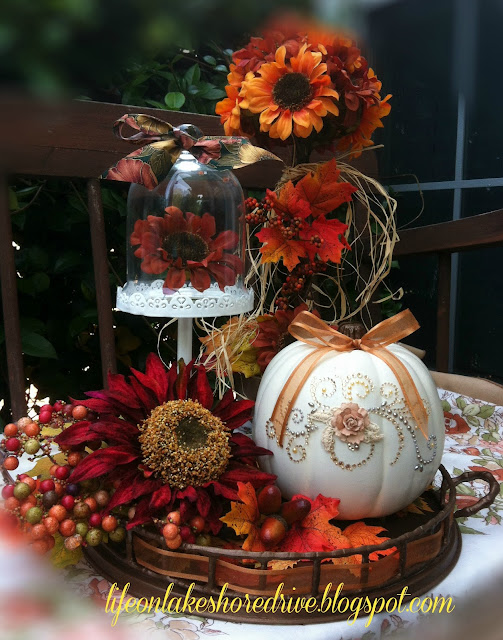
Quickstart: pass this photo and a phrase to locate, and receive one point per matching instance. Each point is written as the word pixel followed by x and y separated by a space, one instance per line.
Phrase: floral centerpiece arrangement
pixel 156 451
pixel 323 238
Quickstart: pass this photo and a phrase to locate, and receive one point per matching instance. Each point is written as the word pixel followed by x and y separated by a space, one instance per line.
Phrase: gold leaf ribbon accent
pixel 313 331
pixel 151 163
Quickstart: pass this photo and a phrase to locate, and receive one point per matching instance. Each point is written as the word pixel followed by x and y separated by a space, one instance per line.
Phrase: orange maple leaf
pixel 323 190
pixel 244 517
pixel 360 534
pixel 331 232
pixel 276 247
pixel 314 532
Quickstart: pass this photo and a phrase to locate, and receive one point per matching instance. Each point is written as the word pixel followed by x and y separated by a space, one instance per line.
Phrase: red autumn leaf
pixel 289 201
pixel 244 517
pixel 331 233
pixel 276 247
pixel 314 532
pixel 360 534
pixel 323 190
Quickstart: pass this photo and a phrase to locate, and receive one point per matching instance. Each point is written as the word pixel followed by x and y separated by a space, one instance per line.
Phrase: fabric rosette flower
pixel 350 422
pixel 169 444
pixel 187 247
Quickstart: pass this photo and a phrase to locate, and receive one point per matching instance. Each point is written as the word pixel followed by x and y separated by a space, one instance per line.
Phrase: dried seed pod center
pixel 184 443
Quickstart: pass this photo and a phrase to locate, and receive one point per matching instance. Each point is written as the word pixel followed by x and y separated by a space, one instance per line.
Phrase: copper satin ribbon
pixel 313 331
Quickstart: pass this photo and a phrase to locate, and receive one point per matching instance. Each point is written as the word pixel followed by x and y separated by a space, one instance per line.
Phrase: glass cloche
pixel 186 245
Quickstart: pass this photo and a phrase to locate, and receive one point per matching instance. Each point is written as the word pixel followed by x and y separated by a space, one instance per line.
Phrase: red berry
pixel 31 482
pixel 11 503
pixel 197 524
pixel 74 458
pixel 95 520
pixel 46 407
pixel 8 491
pixel 269 500
pixel 51 524
pixel 67 528
pixel 50 540
pixel 67 410
pixel 109 523
pixel 38 532
pixel 58 511
pixel 79 412
pixel 68 502
pixel 174 543
pixel 174 517
pixel 170 531
pixel 11 463
pixel 10 430
pixel 185 532
pixel 45 417
pixel 62 473
pixel 58 405
pixel 91 503
pixel 32 430
pixel 46 485
pixel 40 546
pixel 12 444
pixel 59 488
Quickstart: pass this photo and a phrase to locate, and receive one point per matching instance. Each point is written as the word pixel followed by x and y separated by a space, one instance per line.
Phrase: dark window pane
pixel 479 313
pixel 481 201
pixel 437 207
pixel 484 134
pixel 411 52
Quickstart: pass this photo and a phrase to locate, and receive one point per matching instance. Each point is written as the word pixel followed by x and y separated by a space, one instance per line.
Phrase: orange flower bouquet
pixel 303 85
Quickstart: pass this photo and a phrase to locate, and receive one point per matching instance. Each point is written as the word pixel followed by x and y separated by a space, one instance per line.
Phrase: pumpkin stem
pixel 353 330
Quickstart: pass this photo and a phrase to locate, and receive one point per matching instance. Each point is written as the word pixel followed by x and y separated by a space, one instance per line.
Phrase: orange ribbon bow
pixel 313 331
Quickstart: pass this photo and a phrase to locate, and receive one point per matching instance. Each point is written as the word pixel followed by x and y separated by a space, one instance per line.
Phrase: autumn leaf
pixel 276 247
pixel 244 517
pixel 314 532
pixel 323 190
pixel 281 564
pixel 61 557
pixel 331 233
pixel 360 534
pixel 289 201
pixel 419 507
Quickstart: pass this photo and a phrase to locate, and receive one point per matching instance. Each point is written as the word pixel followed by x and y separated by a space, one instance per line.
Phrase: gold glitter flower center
pixel 185 444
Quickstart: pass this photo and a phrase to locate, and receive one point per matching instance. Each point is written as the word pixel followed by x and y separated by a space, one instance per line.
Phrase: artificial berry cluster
pixel 45 508
pixel 257 212
pixel 25 435
pixel 298 280
pixel 175 532
pixel 279 515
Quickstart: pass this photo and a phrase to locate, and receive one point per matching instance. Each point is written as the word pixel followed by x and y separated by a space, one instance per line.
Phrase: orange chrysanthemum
pixel 291 96
pixel 370 121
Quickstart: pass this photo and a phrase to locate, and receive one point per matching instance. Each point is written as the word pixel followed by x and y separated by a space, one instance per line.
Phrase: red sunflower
pixel 169 445
pixel 187 247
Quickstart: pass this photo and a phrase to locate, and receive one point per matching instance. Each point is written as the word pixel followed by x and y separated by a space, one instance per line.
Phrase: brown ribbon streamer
pixel 313 331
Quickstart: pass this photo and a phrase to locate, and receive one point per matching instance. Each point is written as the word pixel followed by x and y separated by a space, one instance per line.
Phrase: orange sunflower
pixel 370 121
pixel 291 96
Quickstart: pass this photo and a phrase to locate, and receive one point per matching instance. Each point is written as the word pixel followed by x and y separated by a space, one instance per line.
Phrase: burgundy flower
pixel 173 413
pixel 187 247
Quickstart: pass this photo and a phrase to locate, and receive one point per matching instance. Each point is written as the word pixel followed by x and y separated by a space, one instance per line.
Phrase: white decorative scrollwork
pixel 149 299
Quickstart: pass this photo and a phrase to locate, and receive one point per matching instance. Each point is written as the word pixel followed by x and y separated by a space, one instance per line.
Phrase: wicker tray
pixel 427 548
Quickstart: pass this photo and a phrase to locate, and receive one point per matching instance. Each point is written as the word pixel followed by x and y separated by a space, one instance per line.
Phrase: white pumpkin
pixel 350 434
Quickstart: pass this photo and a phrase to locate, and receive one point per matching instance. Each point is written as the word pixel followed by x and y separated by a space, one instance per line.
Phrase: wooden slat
pixel 484 230
pixel 75 139
pixel 100 261
pixel 443 310
pixel 17 381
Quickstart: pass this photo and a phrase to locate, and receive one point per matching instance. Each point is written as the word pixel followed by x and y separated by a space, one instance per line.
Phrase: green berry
pixel 82 528
pixel 117 535
pixel 94 537
pixel 21 491
pixel 31 446
pixel 34 515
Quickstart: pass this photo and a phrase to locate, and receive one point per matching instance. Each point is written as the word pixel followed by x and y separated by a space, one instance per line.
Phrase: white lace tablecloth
pixel 35 603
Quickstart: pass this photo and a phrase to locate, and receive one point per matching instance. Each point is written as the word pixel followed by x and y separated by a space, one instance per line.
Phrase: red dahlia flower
pixel 169 445
pixel 185 246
